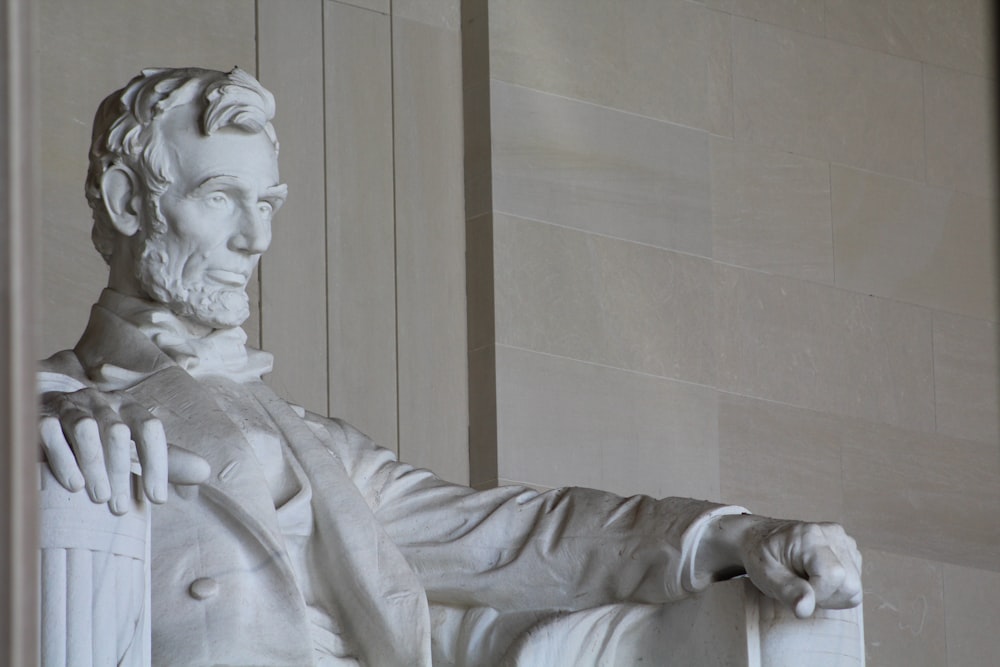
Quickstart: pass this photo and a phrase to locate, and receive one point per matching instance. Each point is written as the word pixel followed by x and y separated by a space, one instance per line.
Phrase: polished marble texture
pixel 922 494
pixel 603 428
pixel 667 59
pixel 952 34
pixel 603 300
pixel 600 170
pixel 970 596
pixel 802 15
pixel 965 378
pixel 915 243
pixel 361 332
pixel 961 135
pixel 430 247
pixel 771 211
pixel 824 348
pixel 904 610
pixel 761 441
pixel 825 99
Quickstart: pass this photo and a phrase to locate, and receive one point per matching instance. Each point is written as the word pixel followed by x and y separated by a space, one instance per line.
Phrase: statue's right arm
pixel 87 436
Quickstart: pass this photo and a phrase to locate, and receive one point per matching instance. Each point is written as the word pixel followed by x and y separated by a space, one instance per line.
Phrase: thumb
pixel 801 598
pixel 795 592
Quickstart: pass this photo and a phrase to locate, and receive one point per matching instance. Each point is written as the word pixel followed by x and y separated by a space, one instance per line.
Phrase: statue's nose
pixel 254 234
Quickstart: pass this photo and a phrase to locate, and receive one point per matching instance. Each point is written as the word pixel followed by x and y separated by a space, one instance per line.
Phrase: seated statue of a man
pixel 290 538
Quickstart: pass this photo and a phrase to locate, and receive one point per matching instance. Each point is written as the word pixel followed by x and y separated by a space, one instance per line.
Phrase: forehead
pixel 229 151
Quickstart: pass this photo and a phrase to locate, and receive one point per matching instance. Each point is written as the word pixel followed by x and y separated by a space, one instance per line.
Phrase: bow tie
pixel 220 352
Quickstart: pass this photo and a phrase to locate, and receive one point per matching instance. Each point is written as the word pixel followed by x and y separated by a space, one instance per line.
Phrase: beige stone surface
pixel 603 300
pixel 922 494
pixel 293 271
pixel 381 6
pixel 666 59
pixel 80 60
pixel 952 34
pixel 430 248
pixel 779 460
pixel 360 267
pixel 970 597
pixel 961 131
pixel 823 348
pixel 603 428
pixel 600 170
pixel 771 211
pixel 904 611
pixel 909 241
pixel 801 15
pixel 825 99
pixel 438 13
pixel 965 378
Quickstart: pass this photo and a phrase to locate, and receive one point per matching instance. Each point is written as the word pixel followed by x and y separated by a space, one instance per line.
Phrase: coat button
pixel 204 588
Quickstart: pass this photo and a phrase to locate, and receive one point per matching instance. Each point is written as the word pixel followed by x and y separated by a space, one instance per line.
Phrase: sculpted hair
pixel 125 132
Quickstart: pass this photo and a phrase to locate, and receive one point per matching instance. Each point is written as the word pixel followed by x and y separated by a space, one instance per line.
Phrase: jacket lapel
pixel 375 591
pixel 112 348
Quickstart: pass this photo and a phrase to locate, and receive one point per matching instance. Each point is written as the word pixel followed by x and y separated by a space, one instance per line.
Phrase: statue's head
pixel 183 182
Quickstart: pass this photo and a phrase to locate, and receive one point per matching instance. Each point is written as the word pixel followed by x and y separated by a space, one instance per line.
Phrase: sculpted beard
pixel 162 278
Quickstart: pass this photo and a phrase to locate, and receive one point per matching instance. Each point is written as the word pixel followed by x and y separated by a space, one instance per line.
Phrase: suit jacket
pixel 388 539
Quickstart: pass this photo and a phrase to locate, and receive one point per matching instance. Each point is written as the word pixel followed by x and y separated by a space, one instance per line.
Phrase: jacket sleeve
pixel 517 548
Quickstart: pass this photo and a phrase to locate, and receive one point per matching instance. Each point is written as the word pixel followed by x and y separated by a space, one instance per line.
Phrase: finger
pixel 825 572
pixel 806 603
pixel 117 448
pixel 84 435
pixel 151 446
pixel 59 454
pixel 186 467
pixel 795 592
pixel 849 592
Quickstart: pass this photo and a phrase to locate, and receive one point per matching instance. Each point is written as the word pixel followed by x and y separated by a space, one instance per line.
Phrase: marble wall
pixel 746 251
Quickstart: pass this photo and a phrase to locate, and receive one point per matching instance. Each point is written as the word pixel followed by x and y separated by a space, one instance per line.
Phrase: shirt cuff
pixel 47 381
pixel 691 540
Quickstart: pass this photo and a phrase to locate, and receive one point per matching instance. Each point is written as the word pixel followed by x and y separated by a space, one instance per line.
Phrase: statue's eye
pixel 265 209
pixel 217 200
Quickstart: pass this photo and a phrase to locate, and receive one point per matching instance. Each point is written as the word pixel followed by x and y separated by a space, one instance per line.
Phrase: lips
pixel 226 277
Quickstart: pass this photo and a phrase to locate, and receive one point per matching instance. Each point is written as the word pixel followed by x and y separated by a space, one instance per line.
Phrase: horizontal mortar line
pixel 748 269
pixel 604 235
pixel 762 399
pixel 608 366
pixel 598 105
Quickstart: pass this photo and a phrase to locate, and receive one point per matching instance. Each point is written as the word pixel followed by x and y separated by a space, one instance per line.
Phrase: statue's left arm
pixel 514 547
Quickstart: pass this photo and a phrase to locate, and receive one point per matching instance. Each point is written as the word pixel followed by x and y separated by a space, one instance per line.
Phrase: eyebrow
pixel 279 191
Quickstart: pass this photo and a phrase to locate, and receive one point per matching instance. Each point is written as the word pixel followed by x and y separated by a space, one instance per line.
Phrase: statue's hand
pixel 88 436
pixel 804 565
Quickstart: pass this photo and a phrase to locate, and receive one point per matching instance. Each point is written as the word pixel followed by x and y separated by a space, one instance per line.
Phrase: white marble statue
pixel 281 537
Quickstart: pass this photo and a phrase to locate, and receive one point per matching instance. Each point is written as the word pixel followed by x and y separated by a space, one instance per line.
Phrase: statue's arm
pixel 575 548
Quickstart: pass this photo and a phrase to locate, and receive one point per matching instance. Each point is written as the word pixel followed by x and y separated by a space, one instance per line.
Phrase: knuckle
pixel 151 426
pixel 83 426
pixel 119 433
pixel 48 424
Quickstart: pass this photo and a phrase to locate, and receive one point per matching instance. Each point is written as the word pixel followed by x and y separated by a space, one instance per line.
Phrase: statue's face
pixel 218 212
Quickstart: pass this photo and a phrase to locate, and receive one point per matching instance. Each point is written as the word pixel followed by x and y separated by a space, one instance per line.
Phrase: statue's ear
pixel 120 194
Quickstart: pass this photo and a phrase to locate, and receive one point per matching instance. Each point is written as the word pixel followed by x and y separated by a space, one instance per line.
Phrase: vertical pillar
pixel 18 440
